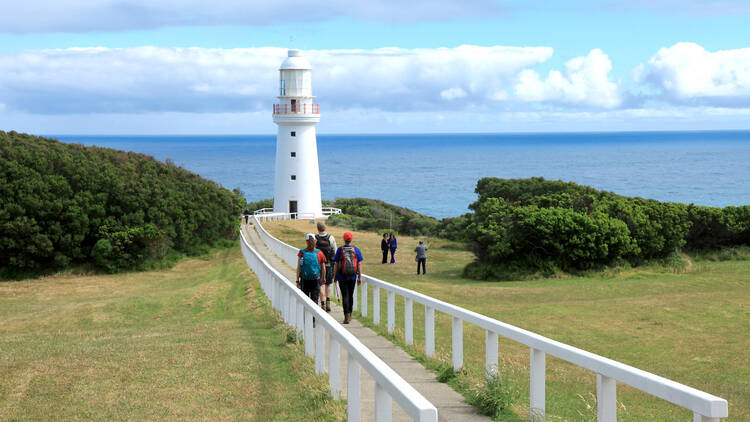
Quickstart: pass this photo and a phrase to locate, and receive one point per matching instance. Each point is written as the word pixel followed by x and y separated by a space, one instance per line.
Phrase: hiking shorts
pixel 329 274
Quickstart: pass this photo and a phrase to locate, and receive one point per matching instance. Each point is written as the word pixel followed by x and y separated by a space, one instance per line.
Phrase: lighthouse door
pixel 293 209
pixel 294 106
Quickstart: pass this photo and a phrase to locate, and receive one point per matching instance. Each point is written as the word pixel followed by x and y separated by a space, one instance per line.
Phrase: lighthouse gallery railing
pixel 298 310
pixel 705 407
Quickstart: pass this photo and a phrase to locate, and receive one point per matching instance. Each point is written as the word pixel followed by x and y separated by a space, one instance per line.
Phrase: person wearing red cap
pixel 348 271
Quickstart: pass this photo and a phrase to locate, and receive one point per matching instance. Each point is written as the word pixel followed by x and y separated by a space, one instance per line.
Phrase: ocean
pixel 436 174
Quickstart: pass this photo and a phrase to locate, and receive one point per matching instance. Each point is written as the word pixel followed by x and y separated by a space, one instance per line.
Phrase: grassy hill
pixel 195 342
pixel 686 323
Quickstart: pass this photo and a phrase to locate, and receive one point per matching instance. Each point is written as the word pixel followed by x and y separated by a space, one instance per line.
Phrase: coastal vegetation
pixel 63 205
pixel 687 323
pixel 198 341
pixel 530 225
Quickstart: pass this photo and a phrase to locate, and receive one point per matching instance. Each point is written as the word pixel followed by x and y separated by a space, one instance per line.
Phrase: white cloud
pixel 452 93
pixel 584 82
pixel 687 7
pixel 148 79
pixel 686 72
pixel 118 15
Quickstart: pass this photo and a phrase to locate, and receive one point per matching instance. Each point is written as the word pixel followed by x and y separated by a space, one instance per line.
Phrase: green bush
pixel 546 226
pixel 66 204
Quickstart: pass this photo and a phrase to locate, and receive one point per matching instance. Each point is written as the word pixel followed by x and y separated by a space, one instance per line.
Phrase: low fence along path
pixel 451 405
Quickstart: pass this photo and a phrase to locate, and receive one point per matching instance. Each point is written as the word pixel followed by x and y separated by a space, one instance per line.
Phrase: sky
pixel 200 67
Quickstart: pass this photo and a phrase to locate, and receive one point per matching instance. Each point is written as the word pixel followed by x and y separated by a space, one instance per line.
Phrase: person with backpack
pixel 348 269
pixel 326 243
pixel 310 268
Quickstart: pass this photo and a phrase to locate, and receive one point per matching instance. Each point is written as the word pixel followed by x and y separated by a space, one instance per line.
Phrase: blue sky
pixel 192 66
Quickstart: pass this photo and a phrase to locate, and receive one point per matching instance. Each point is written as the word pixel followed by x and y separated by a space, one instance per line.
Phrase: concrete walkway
pixel 451 405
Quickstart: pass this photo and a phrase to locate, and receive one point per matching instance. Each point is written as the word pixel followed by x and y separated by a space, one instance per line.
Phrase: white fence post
pixel 606 399
pixel 352 389
pixel 408 322
pixel 429 331
pixel 458 344
pixel 354 298
pixel 309 340
pixel 334 354
pixel 491 354
pixel 391 311
pixel 292 311
pixel 320 349
pixel 375 305
pixel 364 298
pixel 537 385
pixel 300 319
pixel 383 404
pixel 697 417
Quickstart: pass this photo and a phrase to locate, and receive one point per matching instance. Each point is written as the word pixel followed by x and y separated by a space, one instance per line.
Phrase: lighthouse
pixel 297 177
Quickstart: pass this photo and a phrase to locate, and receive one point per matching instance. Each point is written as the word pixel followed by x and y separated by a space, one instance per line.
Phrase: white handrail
pixel 267 214
pixel 706 407
pixel 298 310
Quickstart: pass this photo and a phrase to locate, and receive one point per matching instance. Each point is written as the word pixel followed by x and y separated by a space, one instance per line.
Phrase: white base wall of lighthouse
pixel 297 156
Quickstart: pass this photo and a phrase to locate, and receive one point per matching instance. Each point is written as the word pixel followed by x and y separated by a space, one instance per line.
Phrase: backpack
pixel 348 266
pixel 309 267
pixel 324 244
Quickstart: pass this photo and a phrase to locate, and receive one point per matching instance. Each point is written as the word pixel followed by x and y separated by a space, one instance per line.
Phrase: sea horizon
pixel 436 173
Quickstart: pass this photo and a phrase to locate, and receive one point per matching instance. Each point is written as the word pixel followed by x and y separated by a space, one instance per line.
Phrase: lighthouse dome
pixel 295 61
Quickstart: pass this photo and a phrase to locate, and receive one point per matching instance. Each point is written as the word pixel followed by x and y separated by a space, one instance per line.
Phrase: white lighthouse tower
pixel 297 179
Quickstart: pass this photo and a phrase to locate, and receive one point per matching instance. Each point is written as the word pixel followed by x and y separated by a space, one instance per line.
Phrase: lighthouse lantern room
pixel 297 176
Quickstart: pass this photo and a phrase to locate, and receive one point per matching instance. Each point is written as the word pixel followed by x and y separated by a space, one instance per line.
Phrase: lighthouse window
pixel 294 177
pixel 294 133
pixel 294 154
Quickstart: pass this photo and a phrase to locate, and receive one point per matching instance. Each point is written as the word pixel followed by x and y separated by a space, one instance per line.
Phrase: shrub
pixel 545 226
pixel 66 204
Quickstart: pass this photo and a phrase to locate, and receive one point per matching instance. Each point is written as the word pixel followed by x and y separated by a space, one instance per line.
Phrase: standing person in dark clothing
pixel 392 245
pixel 246 213
pixel 310 268
pixel 421 251
pixel 348 269
pixel 384 247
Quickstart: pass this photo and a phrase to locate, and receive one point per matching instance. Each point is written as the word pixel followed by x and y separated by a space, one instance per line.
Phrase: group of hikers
pixel 321 263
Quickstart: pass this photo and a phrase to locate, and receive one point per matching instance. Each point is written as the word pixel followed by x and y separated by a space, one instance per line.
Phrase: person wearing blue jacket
pixel 392 245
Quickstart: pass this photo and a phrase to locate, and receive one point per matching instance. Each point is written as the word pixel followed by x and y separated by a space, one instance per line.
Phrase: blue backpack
pixel 309 267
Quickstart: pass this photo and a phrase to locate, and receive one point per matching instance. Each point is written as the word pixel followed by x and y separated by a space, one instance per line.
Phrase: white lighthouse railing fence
pixel 705 407
pixel 267 214
pixel 300 311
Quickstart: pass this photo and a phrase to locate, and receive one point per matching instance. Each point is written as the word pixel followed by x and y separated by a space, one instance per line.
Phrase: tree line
pixel 67 204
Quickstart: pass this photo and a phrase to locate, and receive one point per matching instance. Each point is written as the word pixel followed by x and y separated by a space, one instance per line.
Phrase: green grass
pixel 196 342
pixel 688 323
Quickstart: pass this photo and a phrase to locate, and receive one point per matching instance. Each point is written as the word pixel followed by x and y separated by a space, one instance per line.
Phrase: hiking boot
pixel 328 305
pixel 347 318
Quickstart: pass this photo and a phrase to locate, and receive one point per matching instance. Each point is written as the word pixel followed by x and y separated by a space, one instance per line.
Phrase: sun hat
pixel 348 236
pixel 309 236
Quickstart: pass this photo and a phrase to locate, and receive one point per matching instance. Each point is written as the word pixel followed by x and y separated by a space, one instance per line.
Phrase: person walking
pixel 384 247
pixel 348 269
pixel 326 243
pixel 247 214
pixel 421 257
pixel 392 245
pixel 310 268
